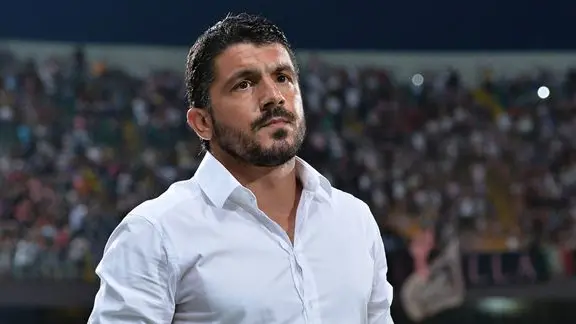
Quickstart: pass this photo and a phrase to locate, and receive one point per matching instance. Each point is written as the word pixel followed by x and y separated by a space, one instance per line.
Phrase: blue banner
pixel 503 269
pixel 484 270
pixel 371 24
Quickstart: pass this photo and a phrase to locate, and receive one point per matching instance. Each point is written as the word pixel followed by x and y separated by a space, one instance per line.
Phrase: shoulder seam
pixel 171 258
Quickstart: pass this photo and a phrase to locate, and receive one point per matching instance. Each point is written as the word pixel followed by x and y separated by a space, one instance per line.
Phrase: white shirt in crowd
pixel 202 252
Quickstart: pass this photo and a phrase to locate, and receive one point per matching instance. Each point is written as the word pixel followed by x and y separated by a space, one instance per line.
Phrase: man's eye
pixel 282 78
pixel 243 85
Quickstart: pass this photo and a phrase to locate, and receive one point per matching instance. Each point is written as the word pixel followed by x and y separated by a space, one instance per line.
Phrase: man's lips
pixel 276 121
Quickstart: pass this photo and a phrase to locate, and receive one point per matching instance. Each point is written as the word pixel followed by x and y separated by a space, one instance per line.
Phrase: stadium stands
pixel 81 144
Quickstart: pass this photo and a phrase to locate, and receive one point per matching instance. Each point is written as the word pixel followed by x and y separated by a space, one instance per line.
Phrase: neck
pixel 275 185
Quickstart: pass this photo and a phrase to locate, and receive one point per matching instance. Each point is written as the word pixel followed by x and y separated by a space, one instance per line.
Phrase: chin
pixel 272 142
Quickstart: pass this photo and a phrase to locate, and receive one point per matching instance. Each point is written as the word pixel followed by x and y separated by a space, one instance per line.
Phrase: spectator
pixel 81 145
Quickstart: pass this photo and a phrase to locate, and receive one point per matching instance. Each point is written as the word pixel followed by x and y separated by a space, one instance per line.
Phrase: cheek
pixel 299 108
pixel 295 99
pixel 234 115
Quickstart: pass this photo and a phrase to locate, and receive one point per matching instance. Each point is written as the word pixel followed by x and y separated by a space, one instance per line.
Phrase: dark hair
pixel 233 29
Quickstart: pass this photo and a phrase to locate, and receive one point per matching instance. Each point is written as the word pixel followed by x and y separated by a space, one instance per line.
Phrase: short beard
pixel 244 148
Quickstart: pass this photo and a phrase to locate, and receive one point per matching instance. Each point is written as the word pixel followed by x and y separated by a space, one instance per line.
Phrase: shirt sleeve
pixel 382 292
pixel 137 282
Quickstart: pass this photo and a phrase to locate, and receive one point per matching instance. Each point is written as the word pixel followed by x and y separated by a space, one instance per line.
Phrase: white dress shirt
pixel 202 252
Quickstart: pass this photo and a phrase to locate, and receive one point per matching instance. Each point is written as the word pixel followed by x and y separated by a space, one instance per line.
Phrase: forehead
pixel 249 56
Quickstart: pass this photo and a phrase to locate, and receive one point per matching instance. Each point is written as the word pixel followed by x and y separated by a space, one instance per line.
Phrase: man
pixel 257 235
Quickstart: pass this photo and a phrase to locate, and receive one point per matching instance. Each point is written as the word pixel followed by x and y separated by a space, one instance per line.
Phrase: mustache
pixel 276 112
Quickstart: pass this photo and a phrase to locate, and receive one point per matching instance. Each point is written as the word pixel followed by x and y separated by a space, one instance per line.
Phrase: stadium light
pixel 543 92
pixel 417 79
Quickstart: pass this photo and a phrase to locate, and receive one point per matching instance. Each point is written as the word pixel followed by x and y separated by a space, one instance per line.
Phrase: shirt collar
pixel 218 184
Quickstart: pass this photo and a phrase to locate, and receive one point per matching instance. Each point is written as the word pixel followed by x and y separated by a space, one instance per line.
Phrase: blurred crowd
pixel 81 143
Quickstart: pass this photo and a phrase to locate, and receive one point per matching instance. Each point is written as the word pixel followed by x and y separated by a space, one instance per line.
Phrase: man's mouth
pixel 276 121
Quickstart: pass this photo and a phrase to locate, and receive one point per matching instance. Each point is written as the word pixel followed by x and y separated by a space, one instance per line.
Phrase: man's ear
pixel 199 120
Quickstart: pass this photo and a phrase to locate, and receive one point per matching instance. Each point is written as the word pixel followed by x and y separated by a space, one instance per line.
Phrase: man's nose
pixel 271 95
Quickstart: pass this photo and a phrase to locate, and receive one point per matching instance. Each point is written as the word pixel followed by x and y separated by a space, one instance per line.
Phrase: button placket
pixel 310 295
pixel 298 268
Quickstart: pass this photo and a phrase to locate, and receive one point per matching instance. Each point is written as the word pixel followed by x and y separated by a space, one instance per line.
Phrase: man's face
pixel 256 105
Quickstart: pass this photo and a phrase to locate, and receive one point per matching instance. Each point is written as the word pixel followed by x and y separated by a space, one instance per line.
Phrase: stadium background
pixel 422 56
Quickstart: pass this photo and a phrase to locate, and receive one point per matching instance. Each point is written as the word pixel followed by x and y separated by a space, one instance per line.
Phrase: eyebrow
pixel 249 72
